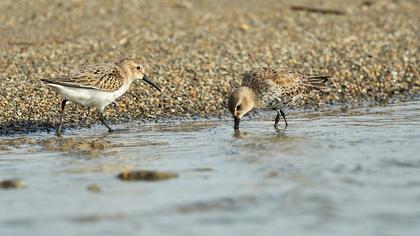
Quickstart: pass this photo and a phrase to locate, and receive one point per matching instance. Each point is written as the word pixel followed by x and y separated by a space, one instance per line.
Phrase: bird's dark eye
pixel 138 67
pixel 238 107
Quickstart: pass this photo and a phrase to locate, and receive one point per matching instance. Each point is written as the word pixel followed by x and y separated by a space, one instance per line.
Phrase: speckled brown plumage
pixel 105 76
pixel 276 88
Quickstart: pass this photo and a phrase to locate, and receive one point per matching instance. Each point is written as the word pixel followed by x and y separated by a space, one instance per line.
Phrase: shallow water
pixel 347 172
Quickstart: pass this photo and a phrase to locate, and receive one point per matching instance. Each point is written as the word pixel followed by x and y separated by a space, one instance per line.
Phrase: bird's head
pixel 240 102
pixel 137 71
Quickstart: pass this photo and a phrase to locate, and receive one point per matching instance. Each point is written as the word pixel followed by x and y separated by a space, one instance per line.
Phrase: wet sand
pixel 198 50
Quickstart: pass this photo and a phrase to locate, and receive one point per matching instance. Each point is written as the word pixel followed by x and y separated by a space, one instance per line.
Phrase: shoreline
pixel 11 130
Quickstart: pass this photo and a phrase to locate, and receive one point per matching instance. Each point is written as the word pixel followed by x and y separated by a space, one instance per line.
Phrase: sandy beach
pixel 197 51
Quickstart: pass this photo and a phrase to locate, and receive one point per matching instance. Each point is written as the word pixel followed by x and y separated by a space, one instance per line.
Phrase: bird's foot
pixel 276 127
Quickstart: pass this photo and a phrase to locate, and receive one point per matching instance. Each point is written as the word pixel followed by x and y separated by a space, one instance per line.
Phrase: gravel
pixel 197 51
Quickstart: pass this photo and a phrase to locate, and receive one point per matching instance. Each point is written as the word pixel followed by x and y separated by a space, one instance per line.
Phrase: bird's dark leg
pixel 280 112
pixel 63 105
pixel 284 117
pixel 102 119
pixel 277 119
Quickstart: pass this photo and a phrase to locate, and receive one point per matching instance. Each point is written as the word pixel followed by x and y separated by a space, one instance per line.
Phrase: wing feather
pixel 105 77
pixel 279 87
pixel 291 83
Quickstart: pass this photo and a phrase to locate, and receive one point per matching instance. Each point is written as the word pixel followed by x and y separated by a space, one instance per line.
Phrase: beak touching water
pixel 236 125
pixel 149 81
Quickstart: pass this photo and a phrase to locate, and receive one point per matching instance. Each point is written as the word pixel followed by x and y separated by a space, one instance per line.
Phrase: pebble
pixel 12 184
pixel 94 188
pixel 145 175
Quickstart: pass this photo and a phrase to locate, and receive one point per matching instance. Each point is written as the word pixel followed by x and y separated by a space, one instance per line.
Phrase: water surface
pixel 346 172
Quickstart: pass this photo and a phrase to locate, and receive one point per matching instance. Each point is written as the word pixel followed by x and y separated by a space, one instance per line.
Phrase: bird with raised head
pixel 98 85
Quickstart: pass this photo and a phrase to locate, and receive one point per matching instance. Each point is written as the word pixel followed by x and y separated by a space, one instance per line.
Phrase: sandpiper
pixel 271 88
pixel 97 85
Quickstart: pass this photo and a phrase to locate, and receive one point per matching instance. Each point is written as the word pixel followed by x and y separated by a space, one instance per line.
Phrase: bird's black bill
pixel 149 81
pixel 236 125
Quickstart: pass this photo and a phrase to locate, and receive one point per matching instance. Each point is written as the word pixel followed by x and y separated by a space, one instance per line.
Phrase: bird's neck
pixel 126 73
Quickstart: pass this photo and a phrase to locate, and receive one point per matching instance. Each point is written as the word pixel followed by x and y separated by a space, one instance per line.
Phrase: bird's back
pixel 263 78
pixel 104 77
pixel 278 87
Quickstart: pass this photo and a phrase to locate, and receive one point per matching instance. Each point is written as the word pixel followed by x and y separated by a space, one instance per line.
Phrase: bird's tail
pixel 318 82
